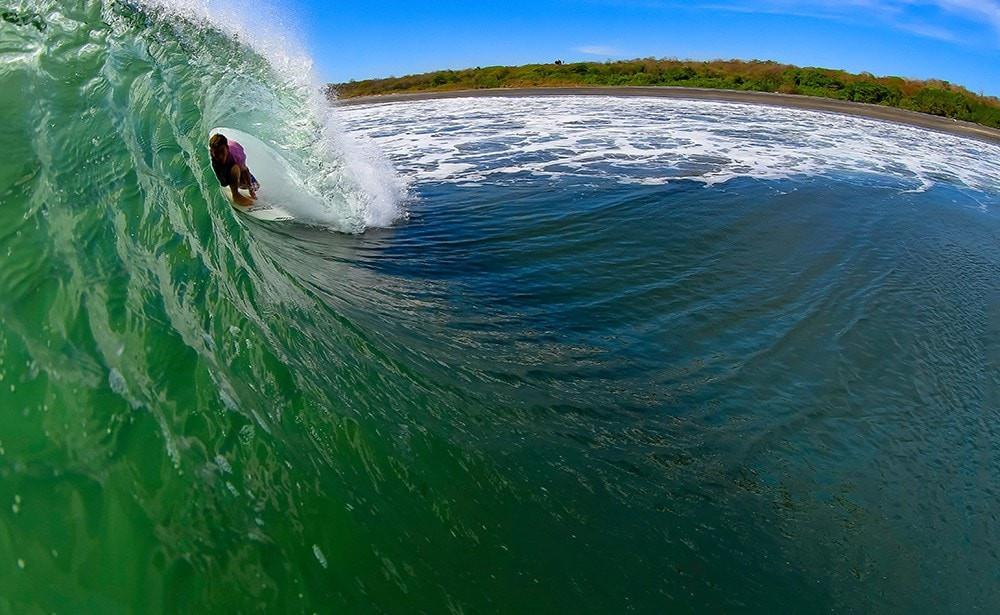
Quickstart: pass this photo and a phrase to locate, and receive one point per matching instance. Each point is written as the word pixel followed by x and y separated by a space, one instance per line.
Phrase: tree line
pixel 933 96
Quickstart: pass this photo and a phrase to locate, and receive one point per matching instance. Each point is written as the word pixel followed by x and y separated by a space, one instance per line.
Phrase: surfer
pixel 229 162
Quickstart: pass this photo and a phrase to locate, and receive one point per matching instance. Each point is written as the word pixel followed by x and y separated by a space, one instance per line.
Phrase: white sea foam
pixel 656 140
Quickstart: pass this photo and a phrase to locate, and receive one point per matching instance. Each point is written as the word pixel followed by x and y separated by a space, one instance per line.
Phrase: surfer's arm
pixel 249 176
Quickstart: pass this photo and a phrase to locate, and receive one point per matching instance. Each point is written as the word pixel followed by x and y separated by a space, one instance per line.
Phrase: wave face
pixel 615 354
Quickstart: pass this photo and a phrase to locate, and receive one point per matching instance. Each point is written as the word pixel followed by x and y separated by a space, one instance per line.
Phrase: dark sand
pixel 877 112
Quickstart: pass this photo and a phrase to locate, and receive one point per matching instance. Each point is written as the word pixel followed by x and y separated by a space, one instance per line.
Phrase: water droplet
pixel 117 382
pixel 223 464
pixel 319 556
pixel 246 434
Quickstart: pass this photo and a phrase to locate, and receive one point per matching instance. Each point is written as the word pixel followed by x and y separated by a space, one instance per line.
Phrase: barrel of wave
pixel 282 195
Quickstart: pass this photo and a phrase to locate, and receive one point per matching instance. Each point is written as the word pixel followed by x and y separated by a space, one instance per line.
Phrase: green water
pixel 540 397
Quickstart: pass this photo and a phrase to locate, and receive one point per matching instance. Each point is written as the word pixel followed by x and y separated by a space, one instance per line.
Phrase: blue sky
pixel 957 40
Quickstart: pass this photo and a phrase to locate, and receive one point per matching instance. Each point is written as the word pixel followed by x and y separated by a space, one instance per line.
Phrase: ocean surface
pixel 546 355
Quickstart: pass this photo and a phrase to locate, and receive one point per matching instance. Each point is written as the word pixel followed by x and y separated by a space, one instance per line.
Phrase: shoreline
pixel 794 101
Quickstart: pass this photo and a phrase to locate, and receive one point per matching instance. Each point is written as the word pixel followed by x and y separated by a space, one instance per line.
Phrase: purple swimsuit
pixel 237 154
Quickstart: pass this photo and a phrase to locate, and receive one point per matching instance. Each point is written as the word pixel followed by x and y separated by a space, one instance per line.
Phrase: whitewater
pixel 513 355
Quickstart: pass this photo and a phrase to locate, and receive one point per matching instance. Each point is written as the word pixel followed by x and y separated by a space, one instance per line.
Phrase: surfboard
pixel 280 193
pixel 261 208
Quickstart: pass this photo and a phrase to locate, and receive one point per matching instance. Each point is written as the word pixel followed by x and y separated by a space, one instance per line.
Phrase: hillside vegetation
pixel 934 97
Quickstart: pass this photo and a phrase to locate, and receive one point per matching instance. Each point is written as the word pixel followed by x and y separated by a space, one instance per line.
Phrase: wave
pixel 154 343
pixel 119 85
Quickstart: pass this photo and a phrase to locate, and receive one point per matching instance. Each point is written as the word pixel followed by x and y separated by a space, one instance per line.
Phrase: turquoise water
pixel 585 354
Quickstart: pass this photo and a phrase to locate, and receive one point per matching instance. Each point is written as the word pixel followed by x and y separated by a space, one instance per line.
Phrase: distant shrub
pixel 814 78
pixel 942 102
pixel 681 73
pixel 988 116
pixel 871 92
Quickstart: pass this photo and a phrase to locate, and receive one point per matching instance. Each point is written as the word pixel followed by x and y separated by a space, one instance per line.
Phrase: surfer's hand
pixel 253 194
pixel 244 201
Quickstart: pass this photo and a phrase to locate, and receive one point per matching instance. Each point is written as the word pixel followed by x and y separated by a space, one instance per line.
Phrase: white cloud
pixel 939 19
pixel 976 10
pixel 902 14
pixel 928 31
pixel 599 50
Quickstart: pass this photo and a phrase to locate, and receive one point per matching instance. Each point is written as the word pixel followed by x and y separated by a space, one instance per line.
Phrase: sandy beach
pixel 877 112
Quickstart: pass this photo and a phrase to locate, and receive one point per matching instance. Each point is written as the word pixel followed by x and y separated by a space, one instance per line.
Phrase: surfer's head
pixel 219 146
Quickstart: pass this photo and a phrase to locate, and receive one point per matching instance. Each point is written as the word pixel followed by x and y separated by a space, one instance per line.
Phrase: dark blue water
pixel 765 393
